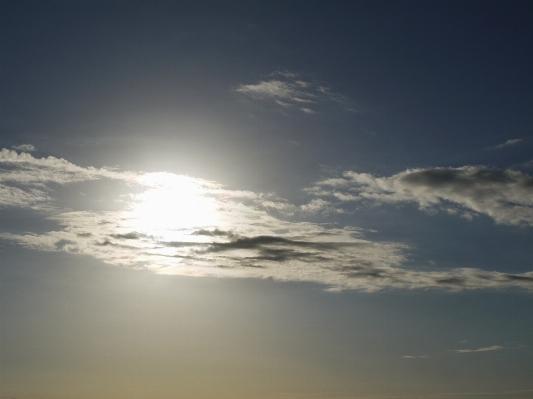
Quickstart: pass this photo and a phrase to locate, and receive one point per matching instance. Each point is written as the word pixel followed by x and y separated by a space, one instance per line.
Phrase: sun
pixel 172 204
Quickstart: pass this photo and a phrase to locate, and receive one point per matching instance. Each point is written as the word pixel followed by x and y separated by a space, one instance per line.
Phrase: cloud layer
pixel 504 195
pixel 181 225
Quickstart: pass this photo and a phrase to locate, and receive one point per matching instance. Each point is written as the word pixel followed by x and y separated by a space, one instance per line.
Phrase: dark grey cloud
pixel 128 236
pixel 213 233
pixel 278 249
pixel 261 241
pixel 83 234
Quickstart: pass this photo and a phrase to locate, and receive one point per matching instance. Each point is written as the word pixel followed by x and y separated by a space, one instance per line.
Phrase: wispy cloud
pixel 25 147
pixel 487 349
pixel 288 90
pixel 416 357
pixel 527 165
pixel 508 143
pixel 507 345
pixel 181 225
pixel 504 195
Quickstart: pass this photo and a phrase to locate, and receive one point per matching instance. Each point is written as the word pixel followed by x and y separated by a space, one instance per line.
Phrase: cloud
pixel 508 143
pixel 416 357
pixel 25 180
pixel 23 168
pixel 288 90
pixel 25 198
pixel 25 147
pixel 504 195
pixel 176 224
pixel 316 205
pixel 487 349
pixel 514 345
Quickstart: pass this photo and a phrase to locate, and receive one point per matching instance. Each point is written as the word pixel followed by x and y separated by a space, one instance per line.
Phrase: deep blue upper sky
pixel 434 82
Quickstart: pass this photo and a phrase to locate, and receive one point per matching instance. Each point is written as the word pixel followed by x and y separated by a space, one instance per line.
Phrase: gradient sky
pixel 266 199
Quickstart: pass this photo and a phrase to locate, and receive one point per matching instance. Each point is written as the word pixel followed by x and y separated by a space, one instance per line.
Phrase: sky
pixel 266 199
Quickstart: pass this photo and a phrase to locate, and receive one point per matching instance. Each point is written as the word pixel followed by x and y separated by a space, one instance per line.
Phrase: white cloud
pixel 25 147
pixel 316 205
pixel 289 90
pixel 25 198
pixel 25 169
pixel 24 179
pixel 275 89
pixel 504 195
pixel 181 225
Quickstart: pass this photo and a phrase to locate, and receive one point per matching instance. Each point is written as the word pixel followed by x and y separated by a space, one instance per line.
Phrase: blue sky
pixel 266 199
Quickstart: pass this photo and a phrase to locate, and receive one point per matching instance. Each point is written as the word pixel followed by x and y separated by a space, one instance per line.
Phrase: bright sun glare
pixel 171 204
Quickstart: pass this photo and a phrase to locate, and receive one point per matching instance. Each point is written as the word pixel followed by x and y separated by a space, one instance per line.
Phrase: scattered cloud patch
pixel 288 90
pixel 504 195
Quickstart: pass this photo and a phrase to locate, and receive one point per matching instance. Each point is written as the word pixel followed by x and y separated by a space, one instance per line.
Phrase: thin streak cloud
pixel 487 349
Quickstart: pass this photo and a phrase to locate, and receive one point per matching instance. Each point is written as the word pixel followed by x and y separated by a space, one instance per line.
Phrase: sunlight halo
pixel 171 204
